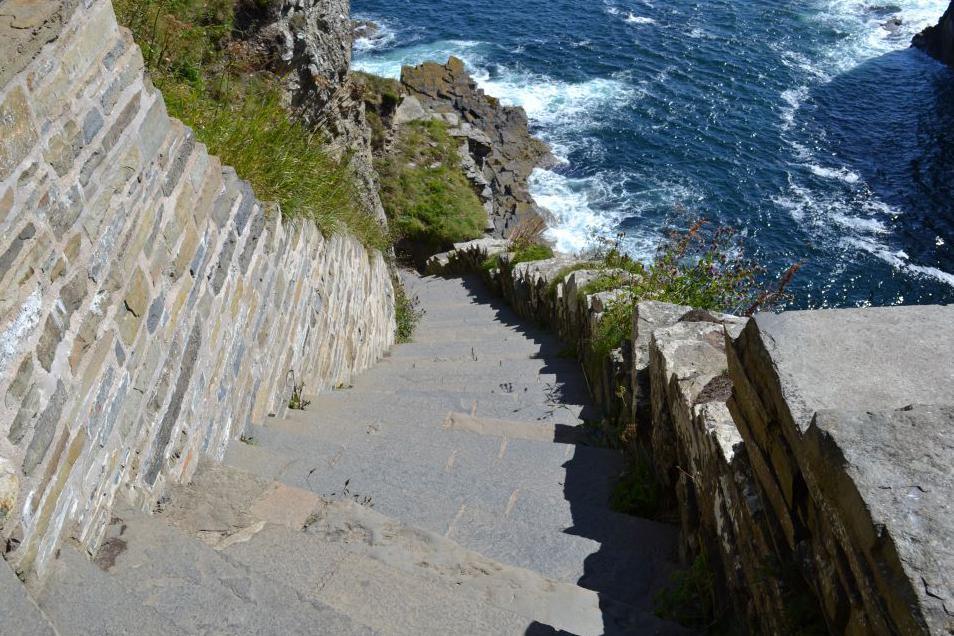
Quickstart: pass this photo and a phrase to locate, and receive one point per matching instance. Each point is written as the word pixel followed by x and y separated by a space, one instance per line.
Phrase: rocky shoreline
pixel 938 40
pixel 498 149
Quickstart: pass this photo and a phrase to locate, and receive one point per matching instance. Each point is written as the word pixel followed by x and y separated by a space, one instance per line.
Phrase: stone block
pixel 136 304
pixel 18 133
pixel 9 490
pixel 884 478
pixel 45 429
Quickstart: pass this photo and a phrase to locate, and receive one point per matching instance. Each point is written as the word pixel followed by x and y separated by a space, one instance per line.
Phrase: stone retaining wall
pixel 150 306
pixel 817 495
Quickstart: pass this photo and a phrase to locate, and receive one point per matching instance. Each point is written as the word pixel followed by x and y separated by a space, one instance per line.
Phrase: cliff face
pixel 309 43
pixel 150 305
pixel 499 151
pixel 939 40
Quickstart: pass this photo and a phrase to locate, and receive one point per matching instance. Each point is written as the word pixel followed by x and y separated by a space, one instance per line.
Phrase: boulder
pixel 816 397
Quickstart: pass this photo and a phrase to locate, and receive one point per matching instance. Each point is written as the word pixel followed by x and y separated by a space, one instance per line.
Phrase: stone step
pixel 151 578
pixel 492 367
pixel 433 405
pixel 396 578
pixel 19 614
pixel 479 383
pixel 513 397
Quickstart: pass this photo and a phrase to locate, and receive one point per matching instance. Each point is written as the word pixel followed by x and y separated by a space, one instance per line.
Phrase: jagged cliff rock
pixel 308 42
pixel 939 40
pixel 501 152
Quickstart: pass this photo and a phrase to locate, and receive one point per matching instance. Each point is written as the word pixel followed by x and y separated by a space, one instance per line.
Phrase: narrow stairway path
pixel 449 490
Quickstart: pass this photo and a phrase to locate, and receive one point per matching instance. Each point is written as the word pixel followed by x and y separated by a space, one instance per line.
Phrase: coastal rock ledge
pixel 938 40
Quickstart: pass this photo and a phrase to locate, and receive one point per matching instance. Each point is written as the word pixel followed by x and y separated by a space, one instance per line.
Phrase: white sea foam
pixel 899 259
pixel 389 63
pixel 638 19
pixel 838 174
pixel 384 37
pixel 793 98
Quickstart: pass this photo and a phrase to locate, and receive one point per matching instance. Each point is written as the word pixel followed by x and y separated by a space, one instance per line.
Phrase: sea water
pixel 811 126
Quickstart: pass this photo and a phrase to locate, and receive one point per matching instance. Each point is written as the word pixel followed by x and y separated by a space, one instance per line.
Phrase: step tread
pixel 19 613
pixel 343 554
pixel 165 581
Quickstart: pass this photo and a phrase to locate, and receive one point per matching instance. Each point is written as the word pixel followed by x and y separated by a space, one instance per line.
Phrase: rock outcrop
pixel 938 40
pixel 308 42
pixel 150 305
pixel 500 152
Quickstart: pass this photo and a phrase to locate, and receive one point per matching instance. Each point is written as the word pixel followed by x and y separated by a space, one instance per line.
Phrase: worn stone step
pixel 432 481
pixel 475 331
pixel 398 579
pixel 19 613
pixel 152 578
pixel 492 367
pixel 434 405
pixel 541 385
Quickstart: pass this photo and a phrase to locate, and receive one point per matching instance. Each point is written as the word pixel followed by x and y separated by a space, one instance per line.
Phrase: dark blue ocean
pixel 808 125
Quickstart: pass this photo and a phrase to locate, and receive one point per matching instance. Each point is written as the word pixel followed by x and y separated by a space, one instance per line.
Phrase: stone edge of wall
pixel 150 306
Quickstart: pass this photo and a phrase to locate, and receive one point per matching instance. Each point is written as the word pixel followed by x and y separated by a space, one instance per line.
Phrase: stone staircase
pixel 454 489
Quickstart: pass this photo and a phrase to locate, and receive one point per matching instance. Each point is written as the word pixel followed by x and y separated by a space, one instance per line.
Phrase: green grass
pixel 637 492
pixel 699 268
pixel 407 312
pixel 524 254
pixel 224 93
pixel 429 202
pixel 530 253
pixel 690 597
pixel 561 275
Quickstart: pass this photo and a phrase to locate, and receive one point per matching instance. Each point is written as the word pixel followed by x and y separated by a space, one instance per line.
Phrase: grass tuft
pixel 216 86
pixel 690 597
pixel 701 268
pixel 429 202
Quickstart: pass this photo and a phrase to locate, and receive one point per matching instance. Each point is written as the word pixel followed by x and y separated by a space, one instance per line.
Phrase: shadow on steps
pixel 636 556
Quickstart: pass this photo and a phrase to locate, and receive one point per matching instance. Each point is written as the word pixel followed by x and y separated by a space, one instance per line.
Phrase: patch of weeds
pixel 297 402
pixel 430 203
pixel 491 263
pixel 701 268
pixel 530 253
pixel 346 493
pixel 248 439
pixel 689 599
pixel 407 310
pixel 637 492
pixel 561 275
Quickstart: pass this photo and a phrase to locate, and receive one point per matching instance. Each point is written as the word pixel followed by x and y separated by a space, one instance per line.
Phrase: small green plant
pixel 561 275
pixel 535 252
pixel 638 492
pixel 699 268
pixel 491 263
pixel 407 310
pixel 297 402
pixel 690 597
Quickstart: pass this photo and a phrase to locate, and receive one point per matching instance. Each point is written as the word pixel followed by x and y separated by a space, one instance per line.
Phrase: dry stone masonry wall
pixel 808 454
pixel 150 306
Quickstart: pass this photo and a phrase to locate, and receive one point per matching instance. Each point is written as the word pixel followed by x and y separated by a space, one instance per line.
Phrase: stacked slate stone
pixel 150 305
pixel 847 418
pixel 808 454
